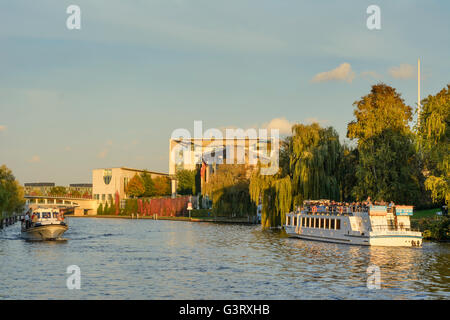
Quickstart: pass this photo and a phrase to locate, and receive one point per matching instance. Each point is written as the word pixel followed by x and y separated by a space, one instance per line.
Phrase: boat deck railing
pixel 392 228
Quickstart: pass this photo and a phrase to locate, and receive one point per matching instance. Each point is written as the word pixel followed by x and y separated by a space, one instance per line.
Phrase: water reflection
pixel 129 259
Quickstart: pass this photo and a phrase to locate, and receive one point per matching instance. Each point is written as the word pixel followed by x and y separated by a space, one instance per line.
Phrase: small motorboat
pixel 44 224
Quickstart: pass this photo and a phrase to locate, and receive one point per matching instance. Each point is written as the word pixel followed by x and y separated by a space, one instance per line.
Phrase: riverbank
pixel 192 219
pixel 434 227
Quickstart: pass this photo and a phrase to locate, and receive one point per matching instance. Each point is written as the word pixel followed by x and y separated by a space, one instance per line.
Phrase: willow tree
pixel 387 166
pixel 434 143
pixel 11 193
pixel 275 194
pixel 314 160
pixel 228 188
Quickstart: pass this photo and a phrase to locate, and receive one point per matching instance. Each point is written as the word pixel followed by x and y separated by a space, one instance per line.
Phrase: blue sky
pixel 111 93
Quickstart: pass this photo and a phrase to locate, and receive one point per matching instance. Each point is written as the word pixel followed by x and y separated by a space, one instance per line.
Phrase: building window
pixel 107 176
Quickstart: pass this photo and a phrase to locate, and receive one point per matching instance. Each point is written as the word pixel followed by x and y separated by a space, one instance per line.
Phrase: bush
pixel 436 228
pixel 100 209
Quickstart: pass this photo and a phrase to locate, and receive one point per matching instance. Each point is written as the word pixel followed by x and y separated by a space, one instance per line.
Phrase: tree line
pixel 11 193
pixel 387 159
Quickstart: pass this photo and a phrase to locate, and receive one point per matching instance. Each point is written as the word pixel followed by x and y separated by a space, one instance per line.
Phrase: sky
pixel 111 93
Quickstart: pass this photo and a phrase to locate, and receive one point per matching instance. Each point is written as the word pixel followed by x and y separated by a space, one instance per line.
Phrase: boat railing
pixel 392 228
pixel 334 211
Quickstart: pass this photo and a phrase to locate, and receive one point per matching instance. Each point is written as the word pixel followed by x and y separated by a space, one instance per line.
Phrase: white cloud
pixel 281 124
pixel 342 73
pixel 404 71
pixel 2 128
pixel 35 159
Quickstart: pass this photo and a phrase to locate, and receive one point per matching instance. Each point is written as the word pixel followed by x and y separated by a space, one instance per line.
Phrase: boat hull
pixel 411 239
pixel 44 232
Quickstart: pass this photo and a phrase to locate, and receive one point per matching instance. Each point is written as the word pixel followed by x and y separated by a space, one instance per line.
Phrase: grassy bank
pixel 425 213
pixel 433 227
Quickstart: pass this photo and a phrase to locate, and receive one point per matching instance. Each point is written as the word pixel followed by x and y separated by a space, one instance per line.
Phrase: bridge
pixel 70 205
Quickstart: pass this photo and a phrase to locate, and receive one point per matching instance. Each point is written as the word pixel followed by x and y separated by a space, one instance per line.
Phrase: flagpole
pixel 418 93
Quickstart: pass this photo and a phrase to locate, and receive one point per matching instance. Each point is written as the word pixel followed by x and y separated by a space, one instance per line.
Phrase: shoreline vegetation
pixel 433 227
pixel 200 215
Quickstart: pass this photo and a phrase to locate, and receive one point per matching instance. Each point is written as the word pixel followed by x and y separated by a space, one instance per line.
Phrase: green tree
pixel 112 209
pixel 387 166
pixel 76 194
pixel 275 193
pixel 347 172
pixel 58 191
pixel 100 209
pixel 434 144
pixel 186 181
pixel 228 188
pixel 162 186
pixel 314 160
pixel 149 185
pixel 135 187
pixel 106 208
pixel 11 193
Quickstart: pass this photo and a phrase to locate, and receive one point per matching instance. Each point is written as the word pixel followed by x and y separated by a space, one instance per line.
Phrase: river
pixel 148 259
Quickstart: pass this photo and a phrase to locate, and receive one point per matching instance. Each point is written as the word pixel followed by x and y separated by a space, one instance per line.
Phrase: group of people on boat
pixel 31 218
pixel 334 207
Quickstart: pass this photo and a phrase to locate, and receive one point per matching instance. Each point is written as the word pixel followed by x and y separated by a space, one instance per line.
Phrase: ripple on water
pixel 125 259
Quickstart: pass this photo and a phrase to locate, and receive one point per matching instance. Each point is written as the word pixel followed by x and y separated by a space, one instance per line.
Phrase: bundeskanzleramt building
pixel 106 182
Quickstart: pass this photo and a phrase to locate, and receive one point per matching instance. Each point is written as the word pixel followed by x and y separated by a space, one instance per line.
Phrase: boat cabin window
pixel 338 224
pixel 46 215
pixel 322 223
pixel 332 224
pixel 327 223
pixel 295 221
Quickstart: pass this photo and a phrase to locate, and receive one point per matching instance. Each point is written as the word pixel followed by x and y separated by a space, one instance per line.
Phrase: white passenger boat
pixel 48 225
pixel 373 225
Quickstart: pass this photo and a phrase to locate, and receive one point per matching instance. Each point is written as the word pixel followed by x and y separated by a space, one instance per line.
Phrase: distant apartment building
pixel 38 188
pixel 80 188
pixel 106 182
pixel 45 188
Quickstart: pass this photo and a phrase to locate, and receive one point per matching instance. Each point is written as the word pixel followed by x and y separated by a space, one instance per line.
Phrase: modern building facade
pixel 106 182
pixel 207 154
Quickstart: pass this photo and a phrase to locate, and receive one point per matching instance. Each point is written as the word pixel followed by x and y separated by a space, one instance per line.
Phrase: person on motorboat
pixel 34 218
pixel 26 219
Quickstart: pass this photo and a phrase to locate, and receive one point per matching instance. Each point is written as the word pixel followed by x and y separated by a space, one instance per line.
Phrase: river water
pixel 147 259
